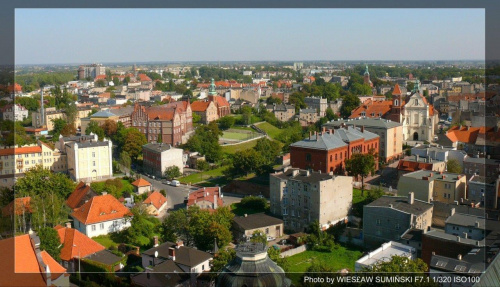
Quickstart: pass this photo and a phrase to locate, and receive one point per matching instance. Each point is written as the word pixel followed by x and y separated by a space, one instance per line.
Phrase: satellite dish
pixel 156 253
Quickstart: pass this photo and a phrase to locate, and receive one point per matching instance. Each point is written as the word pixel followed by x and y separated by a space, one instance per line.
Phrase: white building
pixel 101 215
pixel 14 112
pixel 419 119
pixel 157 157
pixel 384 254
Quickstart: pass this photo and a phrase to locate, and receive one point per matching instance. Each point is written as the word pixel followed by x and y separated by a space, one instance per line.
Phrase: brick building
pixel 327 151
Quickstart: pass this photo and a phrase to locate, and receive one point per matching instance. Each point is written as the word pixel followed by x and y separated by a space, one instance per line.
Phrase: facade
pixel 434 186
pixel 414 163
pixel 207 110
pixel 389 217
pixel 157 157
pixel 245 226
pixel 484 191
pixel 88 158
pixel 14 112
pixel 302 196
pixel 466 226
pixel 172 123
pixel 91 71
pixel 101 215
pixel 308 116
pixel 282 112
pixel 49 116
pixel 327 151
pixel 481 166
pixel 390 133
pixel 223 107
pixel 141 186
pixel 384 254
pixel 419 119
pixel 439 153
pixel 209 198
pixel 99 117
pixel 318 104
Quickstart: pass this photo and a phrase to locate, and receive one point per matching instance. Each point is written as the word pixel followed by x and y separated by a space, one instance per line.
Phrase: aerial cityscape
pixel 224 152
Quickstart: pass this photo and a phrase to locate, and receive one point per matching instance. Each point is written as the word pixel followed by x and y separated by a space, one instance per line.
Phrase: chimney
pixel 310 135
pixel 458 238
pixel 390 205
pixel 411 198
pixel 452 211
pixel 476 224
pixel 416 157
pixel 215 201
pixel 68 224
pixel 362 129
pixel 459 257
pixel 179 244
pixel 330 131
pixel 49 277
pixel 433 253
pixel 155 240
pixel 171 253
pixel 465 235
pixel 104 193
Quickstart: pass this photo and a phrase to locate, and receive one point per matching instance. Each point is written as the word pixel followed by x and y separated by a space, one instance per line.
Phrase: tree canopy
pixel 205 140
pixel 361 165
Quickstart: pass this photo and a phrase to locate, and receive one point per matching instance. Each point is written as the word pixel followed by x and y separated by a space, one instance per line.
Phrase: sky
pixel 78 36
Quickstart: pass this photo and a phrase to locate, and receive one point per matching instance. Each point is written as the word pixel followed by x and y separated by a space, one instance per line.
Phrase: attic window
pixel 441 263
pixel 102 213
pixel 113 211
pixel 460 268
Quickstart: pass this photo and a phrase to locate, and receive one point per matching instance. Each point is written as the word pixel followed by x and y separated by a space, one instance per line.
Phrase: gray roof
pixel 325 141
pixel 482 179
pixel 86 144
pixel 482 160
pixel 158 147
pixel 303 175
pixel 308 111
pixel 103 114
pixel 104 256
pixel 442 210
pixel 123 111
pixel 434 175
pixel 401 203
pixel 466 220
pixel 257 220
pixel 458 266
pixel 438 233
pixel 364 121
pixel 183 255
pixel 281 107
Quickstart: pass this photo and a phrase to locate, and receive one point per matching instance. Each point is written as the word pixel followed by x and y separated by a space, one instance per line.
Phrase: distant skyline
pixel 63 36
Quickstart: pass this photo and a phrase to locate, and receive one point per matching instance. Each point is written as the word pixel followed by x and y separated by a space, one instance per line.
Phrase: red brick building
pixel 223 107
pixel 327 151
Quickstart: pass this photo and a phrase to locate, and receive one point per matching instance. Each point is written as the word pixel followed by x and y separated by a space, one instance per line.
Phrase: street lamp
pixel 79 259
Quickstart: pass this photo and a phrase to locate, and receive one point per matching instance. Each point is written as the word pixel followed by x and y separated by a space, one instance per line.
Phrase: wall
pixel 109 227
pixel 294 251
pixel 388 230
pixel 421 188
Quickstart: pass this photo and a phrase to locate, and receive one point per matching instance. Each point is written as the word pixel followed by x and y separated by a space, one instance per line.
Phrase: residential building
pixel 474 140
pixel 373 109
pixel 101 215
pixel 88 158
pixel 439 153
pixel 172 123
pixel 141 186
pixel 75 245
pixel 91 71
pixel 14 162
pixel 49 116
pixel 484 191
pixel 207 110
pixel 157 157
pixel 414 163
pixel 245 226
pixel 302 196
pixel 319 105
pixel 209 198
pixel 442 211
pixel 308 117
pixel 155 203
pixel 327 151
pixel 222 105
pixel 80 195
pixel 466 226
pixel 433 186
pixel 24 264
pixel 99 117
pixel 282 111
pixel 389 217
pixel 250 257
pixel 384 254
pixel 390 133
pixel 486 167
pixel 14 112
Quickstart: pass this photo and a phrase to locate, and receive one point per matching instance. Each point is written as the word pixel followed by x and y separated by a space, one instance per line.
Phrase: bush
pixel 254 202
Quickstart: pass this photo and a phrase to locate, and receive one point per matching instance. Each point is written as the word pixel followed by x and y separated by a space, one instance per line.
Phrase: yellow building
pixel 99 117
pixel 52 114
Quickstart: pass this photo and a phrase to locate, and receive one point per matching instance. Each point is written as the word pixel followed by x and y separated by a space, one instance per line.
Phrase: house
pixel 245 226
pixel 327 151
pixel 222 105
pixel 484 191
pixel 390 133
pixel 14 112
pixel 474 140
pixel 101 215
pixel 206 198
pixel 157 157
pixel 372 109
pixel 99 117
pixel 155 203
pixel 206 110
pixel 75 245
pixel 303 196
pixel 80 195
pixel 434 186
pixel 439 153
pixel 384 254
pixel 141 186
pixel 319 105
pixel 282 112
pixel 389 217
pixel 308 117
pixel 466 226
pixel 104 258
pixel 415 163
pixel 24 264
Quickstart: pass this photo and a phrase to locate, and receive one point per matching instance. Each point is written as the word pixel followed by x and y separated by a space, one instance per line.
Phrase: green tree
pixel 221 259
pixel 330 115
pixel 226 122
pixel 49 241
pixel 349 103
pixel 172 172
pixel 453 166
pixel 116 81
pixel 110 128
pixel 142 228
pixel 125 160
pixel 68 130
pixel 205 140
pixel 96 129
pixel 274 255
pixel 361 165
pixel 202 165
pixel 134 140
pixel 259 236
pixel 245 162
pixel 196 118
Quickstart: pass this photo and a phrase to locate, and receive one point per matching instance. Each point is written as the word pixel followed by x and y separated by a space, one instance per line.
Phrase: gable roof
pixel 466 134
pixel 56 270
pixel 186 256
pixel 219 101
pixel 19 205
pixel 377 108
pixel 78 197
pixel 100 208
pixel 20 150
pixel 156 199
pixel 160 113
pixel 84 245
pixel 257 220
pixel 141 182
pixel 144 78
pixel 200 106
pixel 205 194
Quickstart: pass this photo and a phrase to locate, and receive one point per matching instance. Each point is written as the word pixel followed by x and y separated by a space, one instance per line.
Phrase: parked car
pixel 175 183
pixel 270 238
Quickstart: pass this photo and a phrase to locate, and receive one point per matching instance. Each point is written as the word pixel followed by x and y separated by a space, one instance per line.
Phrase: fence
pixel 294 251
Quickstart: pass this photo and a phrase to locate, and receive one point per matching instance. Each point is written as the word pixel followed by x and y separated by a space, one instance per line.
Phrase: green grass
pixel 238 147
pixel 271 130
pixel 356 196
pixel 197 177
pixel 105 240
pixel 242 128
pixel 338 259
pixel 236 136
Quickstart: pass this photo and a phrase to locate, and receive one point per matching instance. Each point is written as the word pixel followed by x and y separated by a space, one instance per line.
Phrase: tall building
pixel 91 71
pixel 301 196
pixel 366 78
pixel 318 104
pixel 158 157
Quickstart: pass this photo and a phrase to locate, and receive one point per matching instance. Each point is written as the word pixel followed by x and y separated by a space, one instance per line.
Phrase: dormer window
pixel 113 211
pixel 102 213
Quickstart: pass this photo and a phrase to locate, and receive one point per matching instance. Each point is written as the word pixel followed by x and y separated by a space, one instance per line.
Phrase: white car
pixel 270 238
pixel 175 183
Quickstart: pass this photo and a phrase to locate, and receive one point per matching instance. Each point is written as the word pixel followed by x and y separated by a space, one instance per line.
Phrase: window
pixel 397 226
pixel 335 156
pixel 267 230
pixel 102 226
pixel 331 157
pixel 203 267
pixel 93 227
pixel 93 163
pixel 308 157
pixel 379 222
pixel 293 212
pixel 93 154
pixel 285 211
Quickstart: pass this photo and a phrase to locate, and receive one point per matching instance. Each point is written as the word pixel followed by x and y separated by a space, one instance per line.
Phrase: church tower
pixel 367 77
pixel 211 89
pixel 396 104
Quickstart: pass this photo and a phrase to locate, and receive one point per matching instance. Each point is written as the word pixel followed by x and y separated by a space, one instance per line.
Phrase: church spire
pixel 211 89
pixel 366 70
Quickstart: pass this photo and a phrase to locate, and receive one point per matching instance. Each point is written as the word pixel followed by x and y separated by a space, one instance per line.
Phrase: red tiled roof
pixel 375 107
pixel 205 194
pixel 14 88
pixel 407 165
pixel 199 106
pixel 19 204
pixel 144 78
pixel 76 197
pixel 100 77
pixel 397 90
pixel 466 134
pixel 84 245
pixel 100 208
pixel 105 95
pixel 160 113
pixel 156 199
pixel 219 101
pixel 56 270
pixel 141 182
pixel 20 150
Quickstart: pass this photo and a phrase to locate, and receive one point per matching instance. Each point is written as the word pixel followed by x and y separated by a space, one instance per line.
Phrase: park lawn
pixel 127 186
pixel 271 130
pixel 231 149
pixel 338 259
pixel 197 177
pixel 244 128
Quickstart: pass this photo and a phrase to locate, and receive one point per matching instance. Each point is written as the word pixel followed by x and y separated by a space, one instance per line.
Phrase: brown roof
pixel 410 166
pixel 205 194
pixel 156 199
pixel 397 90
pixel 56 270
pixel 144 78
pixel 141 182
pixel 372 107
pixel 70 237
pixel 81 193
pixel 467 134
pixel 160 113
pixel 219 101
pixel 101 208
pixel 20 150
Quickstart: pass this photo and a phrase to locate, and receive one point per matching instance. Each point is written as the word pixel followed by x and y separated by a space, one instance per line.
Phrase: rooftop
pixel 186 256
pixel 159 147
pixel 434 175
pixel 401 203
pixel 482 179
pixel 302 175
pixel 466 220
pixel 438 233
pixel 364 121
pixel 385 252
pixel 257 220
pixel 100 208
pixel 104 256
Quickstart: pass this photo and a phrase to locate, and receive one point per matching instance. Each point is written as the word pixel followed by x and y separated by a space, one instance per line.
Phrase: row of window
pixel 396 226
